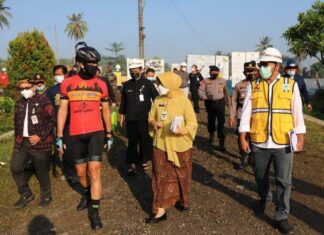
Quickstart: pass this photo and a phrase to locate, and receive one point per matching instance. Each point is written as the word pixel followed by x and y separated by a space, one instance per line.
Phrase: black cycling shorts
pixel 87 147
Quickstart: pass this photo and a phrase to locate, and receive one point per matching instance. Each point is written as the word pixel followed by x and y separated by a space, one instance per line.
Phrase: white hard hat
pixel 135 63
pixel 183 64
pixel 117 66
pixel 270 55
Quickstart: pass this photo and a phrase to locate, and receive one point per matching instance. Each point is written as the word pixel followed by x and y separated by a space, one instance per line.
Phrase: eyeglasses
pixel 264 64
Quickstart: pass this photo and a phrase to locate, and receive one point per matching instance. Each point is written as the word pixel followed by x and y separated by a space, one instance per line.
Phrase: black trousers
pixel 140 147
pixel 216 110
pixel 195 98
pixel 40 161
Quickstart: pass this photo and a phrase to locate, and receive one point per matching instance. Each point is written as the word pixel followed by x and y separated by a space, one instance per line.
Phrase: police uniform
pixel 237 105
pixel 216 96
pixel 136 102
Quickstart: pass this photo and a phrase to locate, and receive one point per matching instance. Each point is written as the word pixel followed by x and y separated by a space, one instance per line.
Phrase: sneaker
pixel 45 202
pixel 95 222
pixel 23 200
pixel 284 226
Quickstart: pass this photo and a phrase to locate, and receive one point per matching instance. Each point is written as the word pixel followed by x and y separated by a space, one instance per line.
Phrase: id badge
pixel 163 116
pixel 34 119
pixel 141 97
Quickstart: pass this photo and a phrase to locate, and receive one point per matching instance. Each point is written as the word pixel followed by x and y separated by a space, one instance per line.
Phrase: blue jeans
pixel 282 161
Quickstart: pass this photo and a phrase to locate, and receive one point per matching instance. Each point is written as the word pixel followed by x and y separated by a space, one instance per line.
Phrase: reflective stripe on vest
pixel 278 111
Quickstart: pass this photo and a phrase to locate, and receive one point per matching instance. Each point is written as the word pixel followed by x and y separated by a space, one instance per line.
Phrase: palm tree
pixel 264 44
pixel 116 47
pixel 4 14
pixel 77 27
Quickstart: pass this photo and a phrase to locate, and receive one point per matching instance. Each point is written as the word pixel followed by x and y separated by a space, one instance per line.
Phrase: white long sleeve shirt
pixel 296 110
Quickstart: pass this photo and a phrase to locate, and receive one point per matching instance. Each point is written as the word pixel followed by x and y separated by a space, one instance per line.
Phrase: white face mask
pixel 59 78
pixel 151 79
pixel 27 93
pixel 163 90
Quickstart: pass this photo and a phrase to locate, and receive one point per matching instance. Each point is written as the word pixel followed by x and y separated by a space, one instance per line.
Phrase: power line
pixel 190 26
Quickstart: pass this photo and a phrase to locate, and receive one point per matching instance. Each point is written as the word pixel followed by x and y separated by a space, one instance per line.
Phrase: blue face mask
pixel 40 88
pixel 265 72
pixel 151 78
pixel 291 73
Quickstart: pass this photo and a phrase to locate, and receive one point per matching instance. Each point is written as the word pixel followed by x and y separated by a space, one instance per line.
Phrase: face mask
pixel 163 90
pixel 249 77
pixel 40 88
pixel 27 93
pixel 214 76
pixel 151 78
pixel 59 78
pixel 135 75
pixel 291 73
pixel 265 72
pixel 91 69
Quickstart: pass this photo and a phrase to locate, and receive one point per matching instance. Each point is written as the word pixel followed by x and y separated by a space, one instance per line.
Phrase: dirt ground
pixel 222 197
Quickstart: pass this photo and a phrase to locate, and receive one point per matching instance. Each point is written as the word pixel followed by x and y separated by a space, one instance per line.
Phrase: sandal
pixel 145 167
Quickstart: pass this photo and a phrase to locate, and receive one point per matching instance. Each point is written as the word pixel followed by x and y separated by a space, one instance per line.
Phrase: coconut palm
pixel 77 27
pixel 116 47
pixel 4 14
pixel 264 44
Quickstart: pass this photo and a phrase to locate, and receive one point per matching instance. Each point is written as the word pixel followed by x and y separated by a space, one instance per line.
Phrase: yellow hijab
pixel 171 81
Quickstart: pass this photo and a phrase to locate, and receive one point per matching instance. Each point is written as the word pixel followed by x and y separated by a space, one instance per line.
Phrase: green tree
pixel 116 47
pixel 265 42
pixel 307 36
pixel 77 27
pixel 4 15
pixel 30 53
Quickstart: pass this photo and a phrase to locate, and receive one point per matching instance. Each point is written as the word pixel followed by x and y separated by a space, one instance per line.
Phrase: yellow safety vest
pixel 277 112
pixel 119 78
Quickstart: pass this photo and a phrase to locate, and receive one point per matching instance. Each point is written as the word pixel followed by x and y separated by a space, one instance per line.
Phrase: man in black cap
pixel 251 73
pixel 214 92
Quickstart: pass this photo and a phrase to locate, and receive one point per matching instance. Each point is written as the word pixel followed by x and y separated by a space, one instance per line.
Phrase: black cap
pixel 213 68
pixel 250 65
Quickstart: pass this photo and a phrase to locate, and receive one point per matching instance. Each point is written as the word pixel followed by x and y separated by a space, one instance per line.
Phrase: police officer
pixel 215 94
pixel 250 72
pixel 136 101
pixel 291 71
pixel 195 78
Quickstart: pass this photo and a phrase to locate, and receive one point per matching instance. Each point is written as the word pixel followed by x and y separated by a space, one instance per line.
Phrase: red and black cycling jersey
pixel 84 98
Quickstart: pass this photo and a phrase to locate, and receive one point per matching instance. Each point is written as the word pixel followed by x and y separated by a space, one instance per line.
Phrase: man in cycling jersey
pixel 84 94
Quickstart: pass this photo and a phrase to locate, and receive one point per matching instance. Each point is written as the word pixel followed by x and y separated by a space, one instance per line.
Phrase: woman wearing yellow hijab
pixel 173 128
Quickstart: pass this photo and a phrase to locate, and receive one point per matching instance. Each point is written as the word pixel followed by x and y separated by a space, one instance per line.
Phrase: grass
pixel 6 122
pixel 6 147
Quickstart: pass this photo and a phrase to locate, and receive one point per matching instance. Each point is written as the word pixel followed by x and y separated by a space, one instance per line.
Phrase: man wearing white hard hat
pixel 136 101
pixel 184 77
pixel 119 78
pixel 272 112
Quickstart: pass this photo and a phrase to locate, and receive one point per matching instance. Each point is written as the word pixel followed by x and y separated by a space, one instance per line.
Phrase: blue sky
pixel 227 25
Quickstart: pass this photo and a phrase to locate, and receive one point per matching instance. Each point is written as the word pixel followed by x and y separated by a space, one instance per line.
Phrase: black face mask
pixel 135 75
pixel 249 77
pixel 213 76
pixel 89 71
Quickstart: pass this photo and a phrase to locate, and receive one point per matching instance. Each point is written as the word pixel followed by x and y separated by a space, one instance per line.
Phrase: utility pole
pixel 141 29
pixel 56 42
